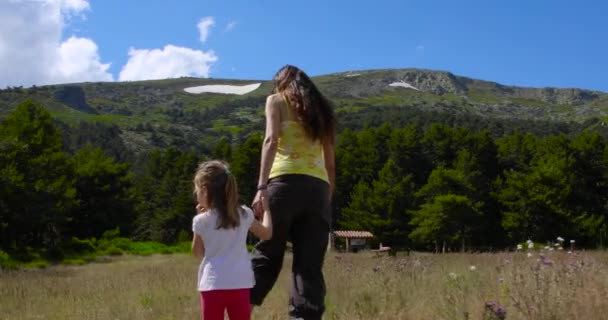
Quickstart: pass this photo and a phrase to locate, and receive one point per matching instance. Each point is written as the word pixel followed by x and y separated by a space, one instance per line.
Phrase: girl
pixel 220 228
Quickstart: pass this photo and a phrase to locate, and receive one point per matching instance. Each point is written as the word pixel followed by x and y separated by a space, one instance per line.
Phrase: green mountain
pixel 159 113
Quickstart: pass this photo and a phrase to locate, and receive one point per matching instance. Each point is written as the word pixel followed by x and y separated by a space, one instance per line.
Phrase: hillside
pixel 161 113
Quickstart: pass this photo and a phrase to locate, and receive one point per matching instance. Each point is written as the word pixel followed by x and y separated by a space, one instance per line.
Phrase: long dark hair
pixel 222 191
pixel 312 108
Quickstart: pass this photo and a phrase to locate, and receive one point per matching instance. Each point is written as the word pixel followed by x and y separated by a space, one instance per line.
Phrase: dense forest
pixel 414 184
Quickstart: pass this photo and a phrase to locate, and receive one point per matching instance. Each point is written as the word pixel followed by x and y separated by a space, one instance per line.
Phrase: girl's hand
pixel 260 203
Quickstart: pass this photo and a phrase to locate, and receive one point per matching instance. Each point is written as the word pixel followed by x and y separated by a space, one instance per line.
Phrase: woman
pixel 297 175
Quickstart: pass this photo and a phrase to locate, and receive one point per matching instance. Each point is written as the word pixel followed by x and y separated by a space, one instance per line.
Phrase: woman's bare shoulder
pixel 275 98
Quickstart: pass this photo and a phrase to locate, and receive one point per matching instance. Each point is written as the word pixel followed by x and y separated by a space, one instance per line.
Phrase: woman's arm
pixel 330 165
pixel 198 247
pixel 269 147
pixel 271 139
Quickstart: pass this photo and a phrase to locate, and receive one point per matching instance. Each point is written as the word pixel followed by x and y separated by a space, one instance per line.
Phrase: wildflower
pixel 544 260
pixel 530 245
pixel 500 312
pixel 472 268
pixel 546 247
pixel 556 245
pixel 560 239
pixel 529 255
pixel 550 249
pixel 453 275
pixel 495 310
pixel 519 247
pixel 572 241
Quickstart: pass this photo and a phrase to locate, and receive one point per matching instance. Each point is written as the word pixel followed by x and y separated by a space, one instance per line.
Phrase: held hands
pixel 260 203
pixel 261 229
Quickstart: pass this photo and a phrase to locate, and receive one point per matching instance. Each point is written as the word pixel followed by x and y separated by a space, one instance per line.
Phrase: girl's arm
pixel 269 146
pixel 198 247
pixel 263 230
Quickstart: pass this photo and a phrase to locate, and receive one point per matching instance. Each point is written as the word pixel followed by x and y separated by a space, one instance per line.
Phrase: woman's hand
pixel 260 203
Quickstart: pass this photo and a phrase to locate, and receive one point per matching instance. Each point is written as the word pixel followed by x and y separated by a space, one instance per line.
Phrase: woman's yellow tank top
pixel 296 152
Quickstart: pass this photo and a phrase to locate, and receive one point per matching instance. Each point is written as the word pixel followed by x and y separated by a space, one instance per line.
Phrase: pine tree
pixel 103 199
pixel 37 180
pixel 382 206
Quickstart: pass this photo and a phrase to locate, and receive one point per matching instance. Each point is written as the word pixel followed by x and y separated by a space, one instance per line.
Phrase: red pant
pixel 215 302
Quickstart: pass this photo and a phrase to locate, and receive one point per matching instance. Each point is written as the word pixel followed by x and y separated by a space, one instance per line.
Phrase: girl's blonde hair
pixel 222 191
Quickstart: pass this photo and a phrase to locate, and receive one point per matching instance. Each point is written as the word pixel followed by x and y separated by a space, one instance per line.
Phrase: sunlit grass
pixel 360 286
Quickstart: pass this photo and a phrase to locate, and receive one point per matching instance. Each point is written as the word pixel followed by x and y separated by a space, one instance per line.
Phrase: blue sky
pixel 520 42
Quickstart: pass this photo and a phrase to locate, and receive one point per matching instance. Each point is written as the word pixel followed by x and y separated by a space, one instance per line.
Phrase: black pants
pixel 300 209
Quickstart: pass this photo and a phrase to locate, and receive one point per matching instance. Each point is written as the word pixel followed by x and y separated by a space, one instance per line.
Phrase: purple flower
pixel 500 312
pixel 495 311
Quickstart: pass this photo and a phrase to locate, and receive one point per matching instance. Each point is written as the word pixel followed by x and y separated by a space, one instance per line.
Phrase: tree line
pixel 412 186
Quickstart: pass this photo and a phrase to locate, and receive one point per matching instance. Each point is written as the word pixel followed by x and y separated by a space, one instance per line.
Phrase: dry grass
pixel 360 286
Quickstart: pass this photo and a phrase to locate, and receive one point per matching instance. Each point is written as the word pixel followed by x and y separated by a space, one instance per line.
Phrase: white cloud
pixel 76 5
pixel 32 50
pixel 230 26
pixel 169 62
pixel 204 27
pixel 79 61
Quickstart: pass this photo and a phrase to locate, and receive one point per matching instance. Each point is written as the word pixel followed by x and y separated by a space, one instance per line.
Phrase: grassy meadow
pixel 556 285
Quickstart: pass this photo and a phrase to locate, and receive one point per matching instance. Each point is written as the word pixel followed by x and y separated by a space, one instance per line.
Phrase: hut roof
pixel 353 234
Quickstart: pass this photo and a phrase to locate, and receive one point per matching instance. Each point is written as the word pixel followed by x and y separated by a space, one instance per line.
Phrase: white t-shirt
pixel 227 264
